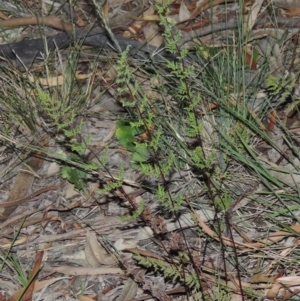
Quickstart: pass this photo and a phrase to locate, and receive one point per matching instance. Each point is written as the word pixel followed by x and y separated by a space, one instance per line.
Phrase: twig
pixel 51 21
pixel 30 198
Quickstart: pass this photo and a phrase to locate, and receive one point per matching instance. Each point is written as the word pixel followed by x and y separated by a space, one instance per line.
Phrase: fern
pixel 135 214
pixel 281 88
pixel 169 271
pixel 108 187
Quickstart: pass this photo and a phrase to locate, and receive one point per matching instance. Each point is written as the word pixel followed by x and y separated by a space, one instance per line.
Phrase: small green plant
pixel 114 184
pixel 223 293
pixel 74 176
pixel 55 110
pixel 281 87
pixel 136 214
pixel 167 150
pixel 14 264
pixel 169 271
pixel 224 201
pixel 127 134
pixel 17 268
pixel 62 115
pixel 58 115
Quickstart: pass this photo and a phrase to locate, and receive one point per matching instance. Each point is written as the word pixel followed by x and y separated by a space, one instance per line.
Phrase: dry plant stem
pixel 56 237
pixel 66 270
pixel 208 4
pixel 105 227
pixel 252 16
pixel 204 31
pixel 19 217
pixel 57 23
pixel 71 13
pixel 51 21
pixel 27 50
pixel 144 253
pixel 30 198
pixel 273 238
pixel 262 23
pixel 46 209
pixel 32 221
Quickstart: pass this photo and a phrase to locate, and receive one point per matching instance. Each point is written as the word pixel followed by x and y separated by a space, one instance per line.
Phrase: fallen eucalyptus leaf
pixel 121 244
pixel 95 254
pixel 129 291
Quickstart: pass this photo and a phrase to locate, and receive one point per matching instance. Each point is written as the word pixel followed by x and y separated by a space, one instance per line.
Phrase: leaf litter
pixel 57 223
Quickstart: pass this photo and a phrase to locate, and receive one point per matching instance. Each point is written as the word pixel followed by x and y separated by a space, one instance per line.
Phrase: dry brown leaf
pixel 53 169
pixel 95 253
pixel 293 12
pixel 225 240
pixel 16 243
pixel 289 280
pixel 249 61
pixel 151 18
pixel 70 190
pixel 252 16
pixel 184 13
pixel 273 291
pixel 156 18
pixel 185 220
pixel 121 244
pixel 151 30
pixel 105 9
pixel 260 278
pixel 112 72
pixel 3 16
pixel 45 283
pixel 144 253
pixel 38 285
pixel 279 235
pixel 129 290
pixel 16 219
pixel 292 7
pixel 25 177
